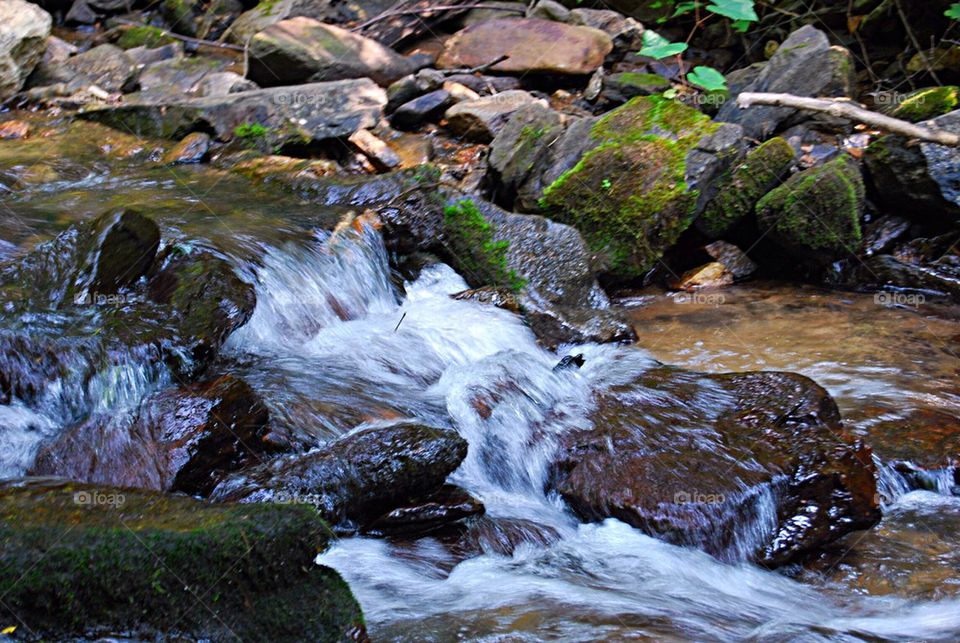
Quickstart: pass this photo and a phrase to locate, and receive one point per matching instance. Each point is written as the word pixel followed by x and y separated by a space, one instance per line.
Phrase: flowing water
pixel 335 344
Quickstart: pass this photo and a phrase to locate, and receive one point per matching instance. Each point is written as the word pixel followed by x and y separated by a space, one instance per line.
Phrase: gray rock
pixel 143 56
pixel 88 12
pixel 223 83
pixel 414 113
pixel 481 119
pixel 411 86
pixel 266 14
pixel 312 112
pixel 24 28
pixel 306 50
pixel 732 258
pixel 549 10
pixel 804 65
pixel 106 66
pixel 518 147
pixel 177 76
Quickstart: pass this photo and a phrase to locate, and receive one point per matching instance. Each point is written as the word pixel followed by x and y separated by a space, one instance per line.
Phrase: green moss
pixel 144 36
pixel 816 212
pixel 925 104
pixel 471 242
pixel 628 195
pixel 266 7
pixel 740 189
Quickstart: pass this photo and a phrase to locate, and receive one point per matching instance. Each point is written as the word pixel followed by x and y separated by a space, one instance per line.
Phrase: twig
pixel 479 69
pixel 176 36
pixel 411 12
pixel 852 111
pixel 400 322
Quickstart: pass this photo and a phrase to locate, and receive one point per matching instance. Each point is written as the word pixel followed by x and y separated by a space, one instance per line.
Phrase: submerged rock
pixel 752 465
pixel 389 467
pixel 148 564
pixel 532 44
pixel 24 28
pixel 440 510
pixel 305 50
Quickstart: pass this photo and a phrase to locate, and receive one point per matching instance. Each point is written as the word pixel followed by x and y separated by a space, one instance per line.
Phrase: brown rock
pixel 711 275
pixel 533 45
pixel 482 118
pixel 192 149
pixel 14 129
pixel 379 153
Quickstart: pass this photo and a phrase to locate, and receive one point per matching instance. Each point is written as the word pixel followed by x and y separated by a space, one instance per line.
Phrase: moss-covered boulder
pixel 924 104
pixel 815 215
pixel 646 175
pixel 84 562
pixel 740 189
pixel 622 86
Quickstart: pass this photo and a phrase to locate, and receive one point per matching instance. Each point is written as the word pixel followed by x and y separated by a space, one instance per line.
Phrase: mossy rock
pixel 815 215
pixel 630 195
pixel 925 104
pixel 79 561
pixel 144 36
pixel 741 189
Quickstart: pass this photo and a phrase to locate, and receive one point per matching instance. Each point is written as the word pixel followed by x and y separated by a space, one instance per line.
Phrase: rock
pixel 379 153
pixel 485 85
pixel 555 326
pixel 711 275
pixel 941 277
pixel 57 51
pixel 501 536
pixel 413 85
pixel 925 439
pixel 740 189
pixel 176 78
pixel 534 46
pixel 106 66
pixel 192 149
pixel 24 28
pixel 300 114
pixel 183 439
pixel 493 10
pixel 519 145
pixel 144 36
pixel 815 215
pixel 733 259
pixel 143 56
pixel 266 14
pixel 14 129
pixel 414 113
pixel 492 296
pixel 89 12
pixel 880 235
pixel 389 468
pixel 569 362
pixel 460 93
pixel 223 83
pixel 804 65
pixel 549 10
pixel 138 562
pixel 620 87
pixel 746 466
pixel 633 180
pixel 481 119
pixel 305 50
pixel 448 505
pixel 924 104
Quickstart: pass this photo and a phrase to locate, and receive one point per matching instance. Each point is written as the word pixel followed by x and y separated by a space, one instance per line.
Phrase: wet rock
pixel 555 325
pixel 439 510
pixel 380 155
pixel 481 119
pixel 184 439
pixel 502 536
pixel 569 363
pixel 485 85
pixel 14 129
pixel 253 562
pixel 305 50
pixel 880 235
pixel 732 258
pixel 192 149
pixel 414 113
pixel 409 87
pixel 24 28
pixel 533 45
pixel 107 67
pixel 762 471
pixel 763 169
pixel 927 439
pixel 389 468
pixel 519 145
pixel 815 215
pixel 941 277
pixel 711 275
pixel 492 296
pixel 300 114
pixel 804 65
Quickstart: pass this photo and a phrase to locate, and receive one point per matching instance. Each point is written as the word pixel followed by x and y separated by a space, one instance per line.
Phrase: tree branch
pixel 851 111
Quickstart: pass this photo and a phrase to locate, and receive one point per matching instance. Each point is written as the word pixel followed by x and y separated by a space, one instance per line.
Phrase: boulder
pixel 437 511
pixel 270 12
pixel 622 86
pixel 302 50
pixel 751 466
pixel 414 113
pixel 514 152
pixel 24 28
pixel 533 46
pixel 924 104
pixel 805 65
pixel 274 116
pixel 815 215
pixel 105 66
pixel 389 467
pixel 732 258
pixel 482 118
pixel 148 564
pixel 409 87
pixel 192 149
pixel 711 275
pixel 178 77
pixel 221 83
pixel 183 439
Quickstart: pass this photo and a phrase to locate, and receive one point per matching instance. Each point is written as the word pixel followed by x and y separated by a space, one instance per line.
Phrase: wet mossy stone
pixel 81 561
pixel 924 104
pixel 815 215
pixel 741 189
pixel 638 187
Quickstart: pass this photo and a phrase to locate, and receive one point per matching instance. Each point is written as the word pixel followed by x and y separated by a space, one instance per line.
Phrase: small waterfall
pixel 895 479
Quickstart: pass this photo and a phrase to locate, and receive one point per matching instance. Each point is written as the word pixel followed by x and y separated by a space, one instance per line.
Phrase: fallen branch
pixel 851 111
pixel 479 69
pixel 187 39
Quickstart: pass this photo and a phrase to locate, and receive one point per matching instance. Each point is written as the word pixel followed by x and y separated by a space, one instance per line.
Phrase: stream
pixel 335 344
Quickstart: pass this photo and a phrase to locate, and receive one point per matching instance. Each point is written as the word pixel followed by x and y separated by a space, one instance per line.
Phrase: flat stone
pixel 532 44
pixel 412 114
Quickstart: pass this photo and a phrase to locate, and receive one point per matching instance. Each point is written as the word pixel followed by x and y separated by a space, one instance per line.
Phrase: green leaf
pixel 671 93
pixel 734 9
pixel 953 12
pixel 707 78
pixel 684 8
pixel 740 25
pixel 656 46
